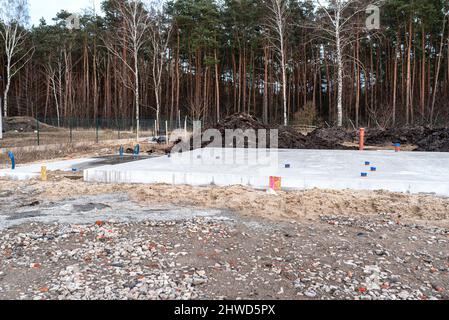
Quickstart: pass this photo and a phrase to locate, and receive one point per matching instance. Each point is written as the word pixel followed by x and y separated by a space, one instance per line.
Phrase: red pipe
pixel 362 139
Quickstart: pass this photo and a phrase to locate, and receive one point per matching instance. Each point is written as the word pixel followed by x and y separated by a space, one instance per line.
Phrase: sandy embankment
pixel 293 205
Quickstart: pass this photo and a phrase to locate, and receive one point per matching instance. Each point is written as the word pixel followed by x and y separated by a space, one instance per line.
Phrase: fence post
pixel 38 133
pixel 97 128
pixel 71 129
pixel 118 124
pixel 166 132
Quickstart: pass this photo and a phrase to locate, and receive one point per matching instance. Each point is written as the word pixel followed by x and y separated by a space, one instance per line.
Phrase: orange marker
pixel 362 139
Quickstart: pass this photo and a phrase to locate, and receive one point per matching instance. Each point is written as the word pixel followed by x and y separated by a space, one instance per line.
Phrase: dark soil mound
pixel 24 124
pixel 329 138
pixel 241 121
pixel 288 137
pixel 437 141
pixel 403 135
pixel 333 135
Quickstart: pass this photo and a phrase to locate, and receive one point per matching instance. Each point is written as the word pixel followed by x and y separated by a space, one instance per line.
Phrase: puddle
pixel 89 207
pixel 111 160
pixel 24 215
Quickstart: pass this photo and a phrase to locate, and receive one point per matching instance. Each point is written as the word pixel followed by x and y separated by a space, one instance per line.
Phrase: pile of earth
pixel 336 135
pixel 25 124
pixel 425 138
pixel 403 135
pixel 288 138
pixel 437 141
pixel 334 138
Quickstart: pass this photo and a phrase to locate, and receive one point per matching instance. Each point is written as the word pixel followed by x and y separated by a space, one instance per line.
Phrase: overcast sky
pixel 49 8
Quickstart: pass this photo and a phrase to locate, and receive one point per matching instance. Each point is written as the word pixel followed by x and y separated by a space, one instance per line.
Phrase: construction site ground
pixel 67 239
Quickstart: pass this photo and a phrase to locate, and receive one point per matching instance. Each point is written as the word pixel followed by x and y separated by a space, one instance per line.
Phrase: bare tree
pixel 54 75
pixel 438 67
pixel 13 15
pixel 278 24
pixel 131 36
pixel 159 33
pixel 339 24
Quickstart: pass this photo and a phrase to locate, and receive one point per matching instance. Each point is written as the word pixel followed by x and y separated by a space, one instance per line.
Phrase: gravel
pixel 205 258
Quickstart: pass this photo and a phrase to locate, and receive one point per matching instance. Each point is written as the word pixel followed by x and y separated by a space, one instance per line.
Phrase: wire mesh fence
pixel 36 132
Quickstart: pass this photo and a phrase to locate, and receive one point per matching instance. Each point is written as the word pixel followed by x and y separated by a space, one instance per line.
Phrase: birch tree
pixel 13 15
pixel 339 25
pixel 159 33
pixel 278 24
pixel 130 36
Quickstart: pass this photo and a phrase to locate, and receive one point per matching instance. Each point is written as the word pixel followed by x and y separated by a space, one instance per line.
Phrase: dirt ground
pixel 316 244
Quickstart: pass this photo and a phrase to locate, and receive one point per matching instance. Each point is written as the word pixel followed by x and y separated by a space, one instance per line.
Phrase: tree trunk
pixel 437 73
pixel 339 72
pixel 409 80
pixel 265 86
pixel 8 85
pixel 136 90
pixel 217 86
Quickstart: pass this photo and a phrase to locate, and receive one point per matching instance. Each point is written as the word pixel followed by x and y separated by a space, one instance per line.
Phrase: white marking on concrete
pixel 411 172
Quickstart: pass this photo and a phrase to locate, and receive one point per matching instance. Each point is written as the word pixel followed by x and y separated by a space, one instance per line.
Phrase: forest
pixel 284 61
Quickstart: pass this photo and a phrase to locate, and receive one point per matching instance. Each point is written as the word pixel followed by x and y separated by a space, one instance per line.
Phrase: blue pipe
pixel 13 160
pixel 137 150
pixel 121 152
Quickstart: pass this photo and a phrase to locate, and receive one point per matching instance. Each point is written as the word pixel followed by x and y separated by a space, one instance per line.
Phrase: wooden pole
pixel 166 132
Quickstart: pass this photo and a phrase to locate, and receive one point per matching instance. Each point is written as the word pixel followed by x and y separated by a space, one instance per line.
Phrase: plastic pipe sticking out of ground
pixel 13 160
pixel 362 139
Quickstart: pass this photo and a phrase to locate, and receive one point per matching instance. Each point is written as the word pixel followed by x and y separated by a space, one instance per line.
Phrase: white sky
pixel 49 8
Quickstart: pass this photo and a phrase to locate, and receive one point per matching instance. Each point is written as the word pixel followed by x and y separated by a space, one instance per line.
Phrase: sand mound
pixel 295 205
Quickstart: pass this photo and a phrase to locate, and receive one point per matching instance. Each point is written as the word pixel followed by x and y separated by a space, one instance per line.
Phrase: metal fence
pixel 72 130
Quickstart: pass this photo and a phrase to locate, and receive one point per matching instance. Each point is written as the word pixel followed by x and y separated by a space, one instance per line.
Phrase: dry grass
pixel 62 136
pixel 69 151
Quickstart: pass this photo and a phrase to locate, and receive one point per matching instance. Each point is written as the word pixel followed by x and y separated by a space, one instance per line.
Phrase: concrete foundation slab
pixel 411 172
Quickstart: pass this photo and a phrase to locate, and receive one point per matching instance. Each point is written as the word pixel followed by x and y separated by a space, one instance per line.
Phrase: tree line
pixel 285 61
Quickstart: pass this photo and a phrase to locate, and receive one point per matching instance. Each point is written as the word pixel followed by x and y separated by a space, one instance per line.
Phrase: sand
pixel 297 205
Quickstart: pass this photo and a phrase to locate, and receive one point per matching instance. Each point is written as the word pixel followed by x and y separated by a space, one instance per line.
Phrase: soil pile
pixel 25 124
pixel 334 135
pixel 288 137
pixel 403 135
pixel 437 141
pixel 241 121
pixel 426 139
